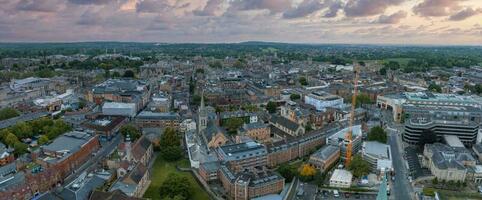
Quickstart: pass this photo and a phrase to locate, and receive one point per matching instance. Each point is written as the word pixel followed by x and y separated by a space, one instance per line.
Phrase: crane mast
pixel 349 133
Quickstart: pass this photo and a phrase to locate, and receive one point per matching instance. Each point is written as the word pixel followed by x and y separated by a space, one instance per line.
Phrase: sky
pixel 438 22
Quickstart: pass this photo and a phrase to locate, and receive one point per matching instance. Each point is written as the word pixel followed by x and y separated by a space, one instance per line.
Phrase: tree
pixel 129 74
pixel 393 65
pixel 271 107
pixel 20 148
pixel 130 130
pixel 359 167
pixel 176 187
pixel 216 64
pixel 377 134
pixel 435 88
pixel 427 137
pixel 295 97
pixel 287 171
pixel 383 71
pixel 200 70
pixel 308 127
pixel 22 130
pixel 435 181
pixel 170 137
pixel 170 145
pixel 10 139
pixel 8 113
pixel 307 170
pixel 43 139
pixel 303 81
pixel 362 99
pixel 232 124
pixel 171 153
pixel 196 99
pixel 116 74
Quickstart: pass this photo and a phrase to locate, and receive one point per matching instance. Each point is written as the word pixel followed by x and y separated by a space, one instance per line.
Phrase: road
pixel 92 163
pixel 401 187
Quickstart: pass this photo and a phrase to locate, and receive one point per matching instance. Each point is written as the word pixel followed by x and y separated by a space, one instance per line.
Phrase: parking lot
pixel 310 192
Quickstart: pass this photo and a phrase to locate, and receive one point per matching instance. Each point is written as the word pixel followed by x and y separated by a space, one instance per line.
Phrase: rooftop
pixel 242 150
pixel 377 149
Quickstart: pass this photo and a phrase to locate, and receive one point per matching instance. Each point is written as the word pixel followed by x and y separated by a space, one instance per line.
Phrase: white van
pixel 336 193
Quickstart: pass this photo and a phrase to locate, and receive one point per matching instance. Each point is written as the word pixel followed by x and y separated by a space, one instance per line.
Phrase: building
pixel 105 126
pixel 448 163
pixel 378 155
pixel 289 149
pixel 247 117
pixel 243 172
pixel 134 183
pixel 287 126
pixel 248 185
pixel 325 157
pixel 209 171
pixel 119 109
pixel 148 119
pixel 323 100
pixel 393 102
pixel 243 156
pixel 6 155
pixel 121 91
pixel 338 139
pixel 341 178
pixel 259 132
pixel 442 114
pixel 68 152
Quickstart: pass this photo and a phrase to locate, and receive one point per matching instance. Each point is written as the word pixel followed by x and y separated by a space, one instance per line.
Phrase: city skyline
pixel 434 22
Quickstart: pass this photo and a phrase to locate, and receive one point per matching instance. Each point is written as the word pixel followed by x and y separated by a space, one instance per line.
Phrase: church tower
pixel 202 116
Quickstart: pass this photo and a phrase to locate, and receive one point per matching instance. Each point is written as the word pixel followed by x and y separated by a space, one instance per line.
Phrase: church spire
pixel 202 100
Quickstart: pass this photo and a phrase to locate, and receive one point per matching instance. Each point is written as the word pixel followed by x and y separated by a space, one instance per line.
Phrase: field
pixel 161 169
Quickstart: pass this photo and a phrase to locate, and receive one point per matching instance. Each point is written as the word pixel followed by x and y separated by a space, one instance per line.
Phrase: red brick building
pixel 68 152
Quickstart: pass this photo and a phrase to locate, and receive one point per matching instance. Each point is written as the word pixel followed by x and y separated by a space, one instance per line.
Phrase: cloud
pixel 151 6
pixel 436 8
pixel 87 2
pixel 333 9
pixel 305 8
pixel 274 6
pixel 392 19
pixel 38 5
pixel 90 18
pixel 212 8
pixel 464 14
pixel 364 8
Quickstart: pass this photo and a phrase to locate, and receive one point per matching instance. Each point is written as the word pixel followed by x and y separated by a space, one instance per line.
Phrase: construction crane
pixel 349 134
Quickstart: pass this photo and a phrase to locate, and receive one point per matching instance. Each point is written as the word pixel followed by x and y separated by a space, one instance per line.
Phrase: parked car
pixel 336 193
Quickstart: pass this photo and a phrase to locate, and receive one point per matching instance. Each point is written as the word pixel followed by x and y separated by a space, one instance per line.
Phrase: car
pixel 336 193
pixel 325 193
pixel 357 196
pixel 347 195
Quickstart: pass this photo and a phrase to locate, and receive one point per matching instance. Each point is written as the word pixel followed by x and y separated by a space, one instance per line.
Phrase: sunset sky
pixel 295 21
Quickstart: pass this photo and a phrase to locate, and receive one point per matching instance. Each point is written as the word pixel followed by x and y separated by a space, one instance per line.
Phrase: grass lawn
pixel 162 168
pixel 453 195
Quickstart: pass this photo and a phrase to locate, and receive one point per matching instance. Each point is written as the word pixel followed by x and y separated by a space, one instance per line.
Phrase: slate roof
pixel 284 122
pixel 445 157
pixel 326 152
pixel 212 129
pixel 136 174
pixel 113 195
pixel 140 147
pixel 242 150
